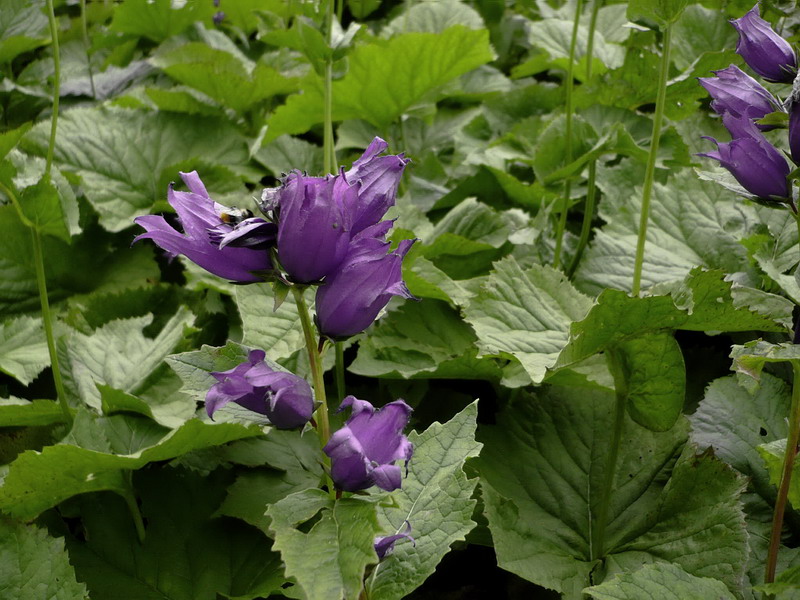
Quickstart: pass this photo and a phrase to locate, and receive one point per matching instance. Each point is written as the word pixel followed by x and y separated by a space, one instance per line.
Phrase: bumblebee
pixel 234 216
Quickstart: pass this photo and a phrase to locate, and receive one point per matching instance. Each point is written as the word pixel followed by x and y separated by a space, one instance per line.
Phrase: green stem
pixel 328 151
pixel 339 9
pixel 133 506
pixel 590 41
pixel 598 526
pixel 588 215
pixel 51 16
pixel 663 71
pixel 786 478
pixel 86 46
pixel 562 219
pixel 315 365
pixel 340 389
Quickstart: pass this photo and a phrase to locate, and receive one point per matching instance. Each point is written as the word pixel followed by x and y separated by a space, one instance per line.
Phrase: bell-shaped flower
pixel 794 131
pixel 755 163
pixel 314 224
pixel 204 223
pixel 351 298
pixel 384 545
pixel 734 91
pixel 379 177
pixel 284 398
pixel 364 451
pixel 767 53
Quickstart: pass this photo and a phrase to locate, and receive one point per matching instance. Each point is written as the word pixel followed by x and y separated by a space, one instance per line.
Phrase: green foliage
pixel 662 581
pixel 158 20
pixel 23 349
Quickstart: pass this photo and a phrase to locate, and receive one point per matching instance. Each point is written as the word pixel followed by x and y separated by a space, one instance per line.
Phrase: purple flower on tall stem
pixel 767 53
pixel 204 224
pixel 734 91
pixel 351 298
pixel 755 163
pixel 364 451
pixel 384 545
pixel 284 398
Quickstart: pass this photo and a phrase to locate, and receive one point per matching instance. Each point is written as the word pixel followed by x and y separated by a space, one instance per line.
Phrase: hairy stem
pixel 786 478
pixel 598 527
pixel 562 219
pixel 655 137
pixel 51 16
pixel 328 152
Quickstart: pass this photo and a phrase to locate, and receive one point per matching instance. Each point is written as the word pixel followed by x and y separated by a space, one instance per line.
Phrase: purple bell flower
pixel 794 131
pixel 767 53
pixel 351 298
pixel 314 225
pixel 204 224
pixel 284 398
pixel 755 163
pixel 364 451
pixel 734 91
pixel 379 177
pixel 384 545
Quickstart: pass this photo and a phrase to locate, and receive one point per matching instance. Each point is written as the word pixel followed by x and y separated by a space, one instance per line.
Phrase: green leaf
pixel 773 454
pixel 118 355
pixel 35 566
pixel 700 30
pixel 433 17
pixel 23 348
pixel 288 153
pixel 788 580
pixel 436 499
pixel 9 139
pixel 16 412
pixel 277 332
pixel 526 314
pixel 663 12
pixel 749 359
pixel 157 19
pixel 23 27
pixel 542 505
pixel 41 204
pixel 422 340
pixel 660 581
pixel 385 79
pixel 37 481
pixel 206 556
pixel 134 154
pixel 194 368
pixel 223 76
pixel 328 561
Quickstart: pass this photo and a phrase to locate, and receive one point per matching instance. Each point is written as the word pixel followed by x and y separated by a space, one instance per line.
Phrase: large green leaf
pixel 37 481
pixel 526 313
pixel 663 12
pixel 543 505
pixel 277 332
pixel 205 556
pixel 23 348
pixel 126 158
pixel 750 358
pixel 15 412
pixel 660 581
pixel 436 500
pixel 386 78
pixel 328 560
pixel 158 19
pixel 23 27
pixel 35 566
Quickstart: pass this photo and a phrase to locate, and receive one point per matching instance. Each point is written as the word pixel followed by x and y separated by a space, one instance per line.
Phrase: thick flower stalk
pixel 212 234
pixel 734 91
pixel 284 398
pixel 764 51
pixel 364 451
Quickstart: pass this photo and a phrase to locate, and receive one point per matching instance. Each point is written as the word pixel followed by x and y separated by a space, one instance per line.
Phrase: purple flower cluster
pixel 326 231
pixel 755 163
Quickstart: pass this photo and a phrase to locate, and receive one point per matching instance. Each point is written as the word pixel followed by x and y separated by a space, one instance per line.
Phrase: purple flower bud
pixel 284 398
pixel 218 17
pixel 314 225
pixel 734 91
pixel 350 299
pixel 384 545
pixel 794 131
pixel 204 223
pixel 767 53
pixel 364 451
pixel 755 163
pixel 379 177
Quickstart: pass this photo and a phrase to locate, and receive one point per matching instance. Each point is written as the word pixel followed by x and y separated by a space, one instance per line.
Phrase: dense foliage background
pixel 512 496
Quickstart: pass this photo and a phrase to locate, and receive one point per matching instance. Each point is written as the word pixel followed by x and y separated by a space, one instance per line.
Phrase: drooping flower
pixel 755 163
pixel 384 545
pixel 767 53
pixel 734 91
pixel 314 225
pixel 284 398
pixel 204 223
pixel 379 177
pixel 351 298
pixel 364 451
